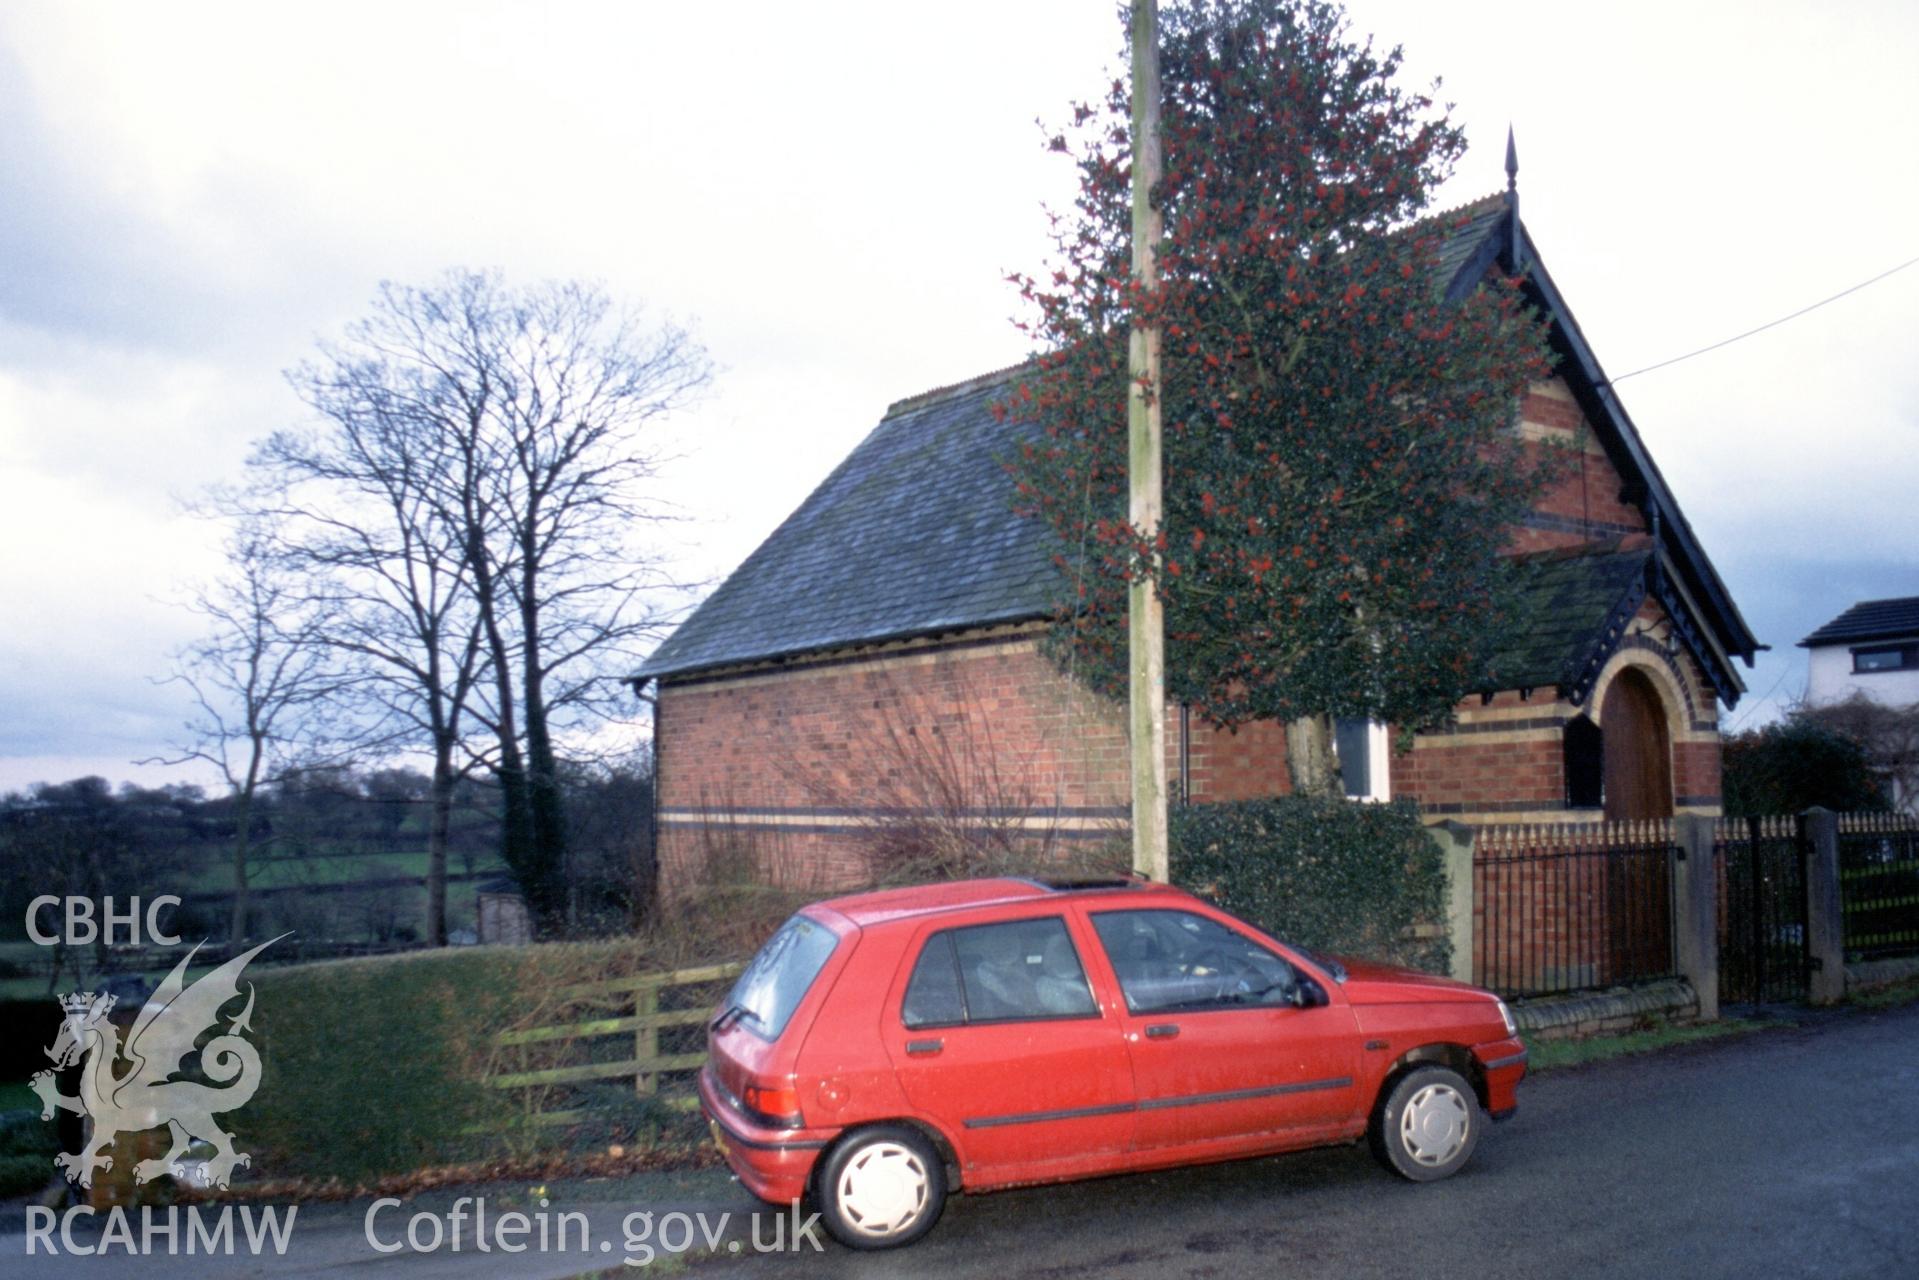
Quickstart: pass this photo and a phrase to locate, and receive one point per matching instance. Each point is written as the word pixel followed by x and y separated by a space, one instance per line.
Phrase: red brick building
pixel 848 676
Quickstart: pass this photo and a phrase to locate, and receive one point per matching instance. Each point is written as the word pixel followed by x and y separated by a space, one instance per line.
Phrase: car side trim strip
pixel 1041 1117
pixel 1514 1060
pixel 1156 1104
pixel 1241 1095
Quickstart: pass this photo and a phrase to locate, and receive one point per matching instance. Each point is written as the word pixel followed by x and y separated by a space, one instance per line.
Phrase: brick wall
pixel 797 771
pixel 806 763
pixel 1223 765
pixel 794 768
pixel 1499 759
pixel 1583 505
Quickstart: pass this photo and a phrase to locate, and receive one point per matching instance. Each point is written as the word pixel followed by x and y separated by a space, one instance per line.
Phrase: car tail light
pixel 777 1105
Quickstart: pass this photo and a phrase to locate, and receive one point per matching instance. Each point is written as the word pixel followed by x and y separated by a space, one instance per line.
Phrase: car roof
pixel 882 906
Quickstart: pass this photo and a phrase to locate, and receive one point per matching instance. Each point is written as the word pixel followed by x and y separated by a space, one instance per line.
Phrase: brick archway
pixel 1651 660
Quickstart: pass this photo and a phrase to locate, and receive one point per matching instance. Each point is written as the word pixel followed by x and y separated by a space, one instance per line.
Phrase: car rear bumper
pixel 774 1164
pixel 1503 1063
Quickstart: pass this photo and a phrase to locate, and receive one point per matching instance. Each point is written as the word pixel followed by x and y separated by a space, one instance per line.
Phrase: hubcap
pixel 882 1189
pixel 1434 1125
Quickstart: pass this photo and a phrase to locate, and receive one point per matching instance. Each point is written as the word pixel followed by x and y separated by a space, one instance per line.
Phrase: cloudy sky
pixel 832 194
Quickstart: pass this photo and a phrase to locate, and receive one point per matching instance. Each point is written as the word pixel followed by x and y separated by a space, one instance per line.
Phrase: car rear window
pixel 778 978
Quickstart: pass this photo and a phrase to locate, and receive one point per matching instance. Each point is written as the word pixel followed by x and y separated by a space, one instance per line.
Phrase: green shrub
pixel 24 1133
pixel 27 1147
pixel 371 1067
pixel 1795 764
pixel 24 1175
pixel 1331 874
pixel 379 1066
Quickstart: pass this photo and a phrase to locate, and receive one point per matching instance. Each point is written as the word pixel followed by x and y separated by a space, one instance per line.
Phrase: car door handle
pixel 1162 1031
pixel 924 1048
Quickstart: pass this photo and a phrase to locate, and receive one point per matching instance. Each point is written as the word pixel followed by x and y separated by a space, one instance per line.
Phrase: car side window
pixel 1178 960
pixel 933 996
pixel 1019 970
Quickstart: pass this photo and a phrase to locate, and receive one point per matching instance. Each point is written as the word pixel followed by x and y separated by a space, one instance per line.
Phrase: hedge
pixel 27 1147
pixel 371 1067
pixel 1335 875
pixel 378 1066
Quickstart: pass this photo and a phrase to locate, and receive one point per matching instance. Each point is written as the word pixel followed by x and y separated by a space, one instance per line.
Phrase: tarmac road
pixel 1789 1152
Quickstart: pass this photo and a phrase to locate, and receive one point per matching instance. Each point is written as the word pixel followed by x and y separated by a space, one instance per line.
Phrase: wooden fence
pixel 577 1051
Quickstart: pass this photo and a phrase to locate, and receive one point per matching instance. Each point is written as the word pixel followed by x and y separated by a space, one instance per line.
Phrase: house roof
pixel 1475 233
pixel 914 534
pixel 1869 620
pixel 1570 609
pixel 1644 484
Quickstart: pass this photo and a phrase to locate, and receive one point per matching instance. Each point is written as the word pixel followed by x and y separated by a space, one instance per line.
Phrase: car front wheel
pixel 881 1188
pixel 1428 1125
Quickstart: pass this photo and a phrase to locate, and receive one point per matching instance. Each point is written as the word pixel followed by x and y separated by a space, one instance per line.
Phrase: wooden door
pixel 1638 770
pixel 1638 750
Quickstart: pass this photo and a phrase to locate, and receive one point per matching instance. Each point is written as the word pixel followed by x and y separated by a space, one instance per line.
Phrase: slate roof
pixel 1869 620
pixel 1473 235
pixel 1569 609
pixel 913 534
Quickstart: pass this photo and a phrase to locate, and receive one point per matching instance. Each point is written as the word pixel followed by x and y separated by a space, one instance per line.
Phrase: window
pixel 1019 970
pixel 1585 746
pixel 778 977
pixel 933 997
pixel 1885 657
pixel 1363 753
pixel 1176 960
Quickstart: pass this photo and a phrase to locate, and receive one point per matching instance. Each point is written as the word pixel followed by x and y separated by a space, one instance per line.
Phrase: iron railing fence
pixel 1761 868
pixel 1879 884
pixel 1563 908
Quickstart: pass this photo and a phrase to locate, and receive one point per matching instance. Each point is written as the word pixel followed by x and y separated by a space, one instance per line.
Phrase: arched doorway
pixel 1636 752
pixel 1637 747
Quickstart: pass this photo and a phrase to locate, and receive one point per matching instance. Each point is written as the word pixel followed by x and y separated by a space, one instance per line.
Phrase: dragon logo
pixel 125 1089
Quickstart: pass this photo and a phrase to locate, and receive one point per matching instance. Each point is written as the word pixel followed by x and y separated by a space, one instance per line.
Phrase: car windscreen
pixel 779 976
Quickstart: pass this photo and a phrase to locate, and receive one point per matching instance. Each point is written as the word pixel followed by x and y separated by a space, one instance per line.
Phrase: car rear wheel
pixel 1428 1125
pixel 881 1187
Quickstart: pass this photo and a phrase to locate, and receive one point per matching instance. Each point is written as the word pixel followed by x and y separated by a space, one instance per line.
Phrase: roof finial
pixel 1515 237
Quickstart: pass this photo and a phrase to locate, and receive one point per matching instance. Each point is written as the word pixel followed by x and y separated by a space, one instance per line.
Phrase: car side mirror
pixel 1309 994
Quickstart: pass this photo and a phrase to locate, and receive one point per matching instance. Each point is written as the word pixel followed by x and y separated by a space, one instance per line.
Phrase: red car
pixel 885 1049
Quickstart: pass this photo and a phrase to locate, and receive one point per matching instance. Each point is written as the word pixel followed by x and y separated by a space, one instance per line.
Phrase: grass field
pixel 313 895
pixel 35 988
pixel 214 876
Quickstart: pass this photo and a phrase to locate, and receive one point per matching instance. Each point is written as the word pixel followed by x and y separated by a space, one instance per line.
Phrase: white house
pixel 1871 649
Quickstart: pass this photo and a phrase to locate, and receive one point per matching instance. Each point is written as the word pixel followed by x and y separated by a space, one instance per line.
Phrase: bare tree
pixel 514 422
pixel 264 683
pixel 359 518
pixel 1888 732
pixel 75 839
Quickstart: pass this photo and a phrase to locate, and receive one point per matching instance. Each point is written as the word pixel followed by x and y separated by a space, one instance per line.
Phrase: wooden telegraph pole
pixel 1146 629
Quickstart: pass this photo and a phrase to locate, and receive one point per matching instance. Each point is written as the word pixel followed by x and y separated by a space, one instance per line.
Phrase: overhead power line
pixel 1771 324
